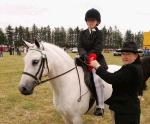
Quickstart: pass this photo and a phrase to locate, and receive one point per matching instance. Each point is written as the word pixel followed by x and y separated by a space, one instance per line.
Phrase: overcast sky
pixel 125 14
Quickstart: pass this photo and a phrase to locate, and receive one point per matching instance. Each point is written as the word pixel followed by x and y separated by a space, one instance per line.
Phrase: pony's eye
pixel 35 62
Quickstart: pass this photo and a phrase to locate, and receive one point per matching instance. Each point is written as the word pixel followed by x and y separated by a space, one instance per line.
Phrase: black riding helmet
pixel 93 14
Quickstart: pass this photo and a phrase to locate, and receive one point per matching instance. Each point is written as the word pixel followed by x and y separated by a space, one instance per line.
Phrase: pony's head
pixel 35 61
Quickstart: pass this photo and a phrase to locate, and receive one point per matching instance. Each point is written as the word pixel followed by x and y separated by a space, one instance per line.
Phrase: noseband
pixel 41 69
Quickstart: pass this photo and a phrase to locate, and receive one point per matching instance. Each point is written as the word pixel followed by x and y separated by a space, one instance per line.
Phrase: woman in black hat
pixel 91 42
pixel 126 83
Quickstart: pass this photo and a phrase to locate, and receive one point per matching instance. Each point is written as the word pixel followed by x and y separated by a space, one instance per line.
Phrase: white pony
pixel 46 59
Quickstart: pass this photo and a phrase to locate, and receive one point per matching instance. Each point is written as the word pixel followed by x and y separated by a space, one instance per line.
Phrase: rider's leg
pixel 100 93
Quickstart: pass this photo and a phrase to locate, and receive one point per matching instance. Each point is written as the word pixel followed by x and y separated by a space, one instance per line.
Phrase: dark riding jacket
pixel 126 84
pixel 92 43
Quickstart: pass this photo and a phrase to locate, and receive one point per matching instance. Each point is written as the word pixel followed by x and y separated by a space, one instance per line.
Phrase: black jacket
pixel 92 43
pixel 126 84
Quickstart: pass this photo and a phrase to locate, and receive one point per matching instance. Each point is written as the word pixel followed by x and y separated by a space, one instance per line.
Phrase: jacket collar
pixel 137 61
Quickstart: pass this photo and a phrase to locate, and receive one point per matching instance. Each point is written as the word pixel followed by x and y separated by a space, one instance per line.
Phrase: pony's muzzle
pixel 25 90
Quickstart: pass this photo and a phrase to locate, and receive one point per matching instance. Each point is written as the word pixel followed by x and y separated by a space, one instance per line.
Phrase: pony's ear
pixel 27 44
pixel 37 43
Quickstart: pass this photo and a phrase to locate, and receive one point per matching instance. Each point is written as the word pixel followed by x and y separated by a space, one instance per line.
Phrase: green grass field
pixel 38 108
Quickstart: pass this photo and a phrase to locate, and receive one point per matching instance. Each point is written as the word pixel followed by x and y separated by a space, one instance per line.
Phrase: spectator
pixel 1 51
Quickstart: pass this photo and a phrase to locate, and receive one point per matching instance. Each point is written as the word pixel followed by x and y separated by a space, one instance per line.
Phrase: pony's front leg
pixel 77 120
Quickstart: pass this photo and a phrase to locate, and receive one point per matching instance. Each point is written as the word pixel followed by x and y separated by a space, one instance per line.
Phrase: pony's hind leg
pixel 66 120
pixel 77 120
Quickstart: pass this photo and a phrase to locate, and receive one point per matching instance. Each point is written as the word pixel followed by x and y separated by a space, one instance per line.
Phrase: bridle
pixel 44 61
pixel 41 69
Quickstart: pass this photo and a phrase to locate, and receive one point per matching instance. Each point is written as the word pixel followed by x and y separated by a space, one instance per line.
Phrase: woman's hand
pixel 94 64
pixel 141 98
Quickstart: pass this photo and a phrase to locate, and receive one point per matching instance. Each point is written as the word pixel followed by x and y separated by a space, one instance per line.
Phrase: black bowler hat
pixel 129 47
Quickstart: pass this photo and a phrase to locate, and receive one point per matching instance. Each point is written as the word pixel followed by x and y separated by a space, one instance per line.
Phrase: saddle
pixel 89 81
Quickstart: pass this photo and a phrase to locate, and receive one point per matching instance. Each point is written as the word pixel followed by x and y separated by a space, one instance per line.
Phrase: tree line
pixel 112 37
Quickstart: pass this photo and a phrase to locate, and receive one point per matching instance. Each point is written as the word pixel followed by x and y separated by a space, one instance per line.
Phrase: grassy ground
pixel 38 108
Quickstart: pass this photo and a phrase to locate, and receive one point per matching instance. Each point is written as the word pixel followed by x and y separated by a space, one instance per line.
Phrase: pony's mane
pixel 57 50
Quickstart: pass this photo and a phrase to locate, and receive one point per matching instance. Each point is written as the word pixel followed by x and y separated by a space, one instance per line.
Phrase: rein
pixel 57 76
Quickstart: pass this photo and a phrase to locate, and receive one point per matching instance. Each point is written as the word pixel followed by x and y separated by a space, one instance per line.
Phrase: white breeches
pixel 99 89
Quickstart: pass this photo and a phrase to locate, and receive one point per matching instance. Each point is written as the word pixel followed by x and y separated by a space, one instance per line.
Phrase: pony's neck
pixel 61 61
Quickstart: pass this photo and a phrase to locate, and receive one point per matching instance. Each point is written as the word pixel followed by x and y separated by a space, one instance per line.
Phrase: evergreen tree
pixel 20 36
pixel 34 33
pixel 27 34
pixel 129 36
pixel 53 37
pixel 62 37
pixel 104 33
pixel 2 37
pixel 56 36
pixel 139 39
pixel 77 32
pixel 70 37
pixel 16 33
pixel 9 35
pixel 110 37
pixel 117 38
pixel 48 34
pixel 43 34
